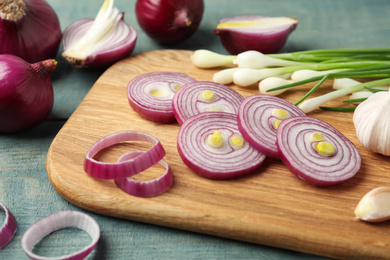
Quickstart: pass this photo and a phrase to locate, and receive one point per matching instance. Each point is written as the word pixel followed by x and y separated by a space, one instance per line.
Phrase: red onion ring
pixel 118 44
pixel 221 163
pixel 7 231
pixel 187 102
pixel 255 121
pixel 57 221
pixel 124 169
pixel 302 159
pixel 156 108
pixel 145 189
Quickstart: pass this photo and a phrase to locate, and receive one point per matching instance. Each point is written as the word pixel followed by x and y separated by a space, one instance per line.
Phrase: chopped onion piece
pixel 227 157
pixel 189 100
pixel 258 118
pixel 7 231
pixel 57 221
pixel 145 189
pixel 316 152
pixel 151 94
pixel 123 169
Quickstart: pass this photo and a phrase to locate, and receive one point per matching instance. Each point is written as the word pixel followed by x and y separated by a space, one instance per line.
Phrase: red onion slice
pixel 57 221
pixel 225 162
pixel 298 151
pixel 145 189
pixel 258 118
pixel 124 169
pixel 151 94
pixel 7 231
pixel 204 96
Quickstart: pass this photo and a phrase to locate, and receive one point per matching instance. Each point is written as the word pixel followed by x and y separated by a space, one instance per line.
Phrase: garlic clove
pixel 374 206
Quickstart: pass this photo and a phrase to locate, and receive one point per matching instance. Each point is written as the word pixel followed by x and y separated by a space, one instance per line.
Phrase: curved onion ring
pixel 124 169
pixel 145 189
pixel 186 102
pixel 116 45
pixel 225 162
pixel 7 231
pixel 156 108
pixel 57 221
pixel 298 154
pixel 255 121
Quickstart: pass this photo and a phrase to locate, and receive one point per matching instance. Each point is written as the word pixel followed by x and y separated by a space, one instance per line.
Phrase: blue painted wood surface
pixel 26 190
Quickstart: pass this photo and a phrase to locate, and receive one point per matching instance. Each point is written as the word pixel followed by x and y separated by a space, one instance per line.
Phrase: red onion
pixel 145 189
pixel 203 96
pixel 26 92
pixel 57 221
pixel 258 119
pixel 211 145
pixel 317 152
pixel 29 29
pixel 99 42
pixel 151 94
pixel 123 169
pixel 257 33
pixel 169 21
pixel 7 231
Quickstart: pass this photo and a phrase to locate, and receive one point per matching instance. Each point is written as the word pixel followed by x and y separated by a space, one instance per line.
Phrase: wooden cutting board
pixel 269 207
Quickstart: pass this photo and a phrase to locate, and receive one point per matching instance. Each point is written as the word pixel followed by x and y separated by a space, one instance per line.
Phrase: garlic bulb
pixel 372 122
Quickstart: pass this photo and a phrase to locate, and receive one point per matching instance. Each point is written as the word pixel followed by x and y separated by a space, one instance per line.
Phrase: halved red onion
pixel 317 152
pixel 151 94
pixel 123 169
pixel 204 96
pixel 119 43
pixel 258 119
pixel 7 231
pixel 57 221
pixel 145 189
pixel 211 145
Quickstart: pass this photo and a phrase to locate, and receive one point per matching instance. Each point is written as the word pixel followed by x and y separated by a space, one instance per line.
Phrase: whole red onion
pixel 29 29
pixel 169 21
pixel 26 92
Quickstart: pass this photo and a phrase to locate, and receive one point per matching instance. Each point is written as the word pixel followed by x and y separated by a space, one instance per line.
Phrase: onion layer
pixel 317 152
pixel 29 29
pixel 57 221
pixel 7 231
pixel 145 189
pixel 258 120
pixel 151 94
pixel 204 96
pixel 211 145
pixel 258 33
pixel 100 42
pixel 123 169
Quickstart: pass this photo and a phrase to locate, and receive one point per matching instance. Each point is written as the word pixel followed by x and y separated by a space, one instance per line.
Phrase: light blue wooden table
pixel 26 190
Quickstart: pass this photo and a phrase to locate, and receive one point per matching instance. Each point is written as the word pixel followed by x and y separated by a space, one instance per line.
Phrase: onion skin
pixel 240 39
pixel 169 21
pixel 222 163
pixel 107 55
pixel 35 36
pixel 26 92
pixel 305 163
pixel 7 231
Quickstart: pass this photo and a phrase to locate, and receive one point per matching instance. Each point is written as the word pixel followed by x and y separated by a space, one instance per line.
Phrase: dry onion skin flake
pixel 374 206
pixel 316 152
pixel 211 145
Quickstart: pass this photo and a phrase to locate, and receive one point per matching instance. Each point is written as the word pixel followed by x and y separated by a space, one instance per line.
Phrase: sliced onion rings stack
pixel 7 231
pixel 298 154
pixel 57 221
pixel 225 162
pixel 255 121
pixel 187 103
pixel 130 164
pixel 150 94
